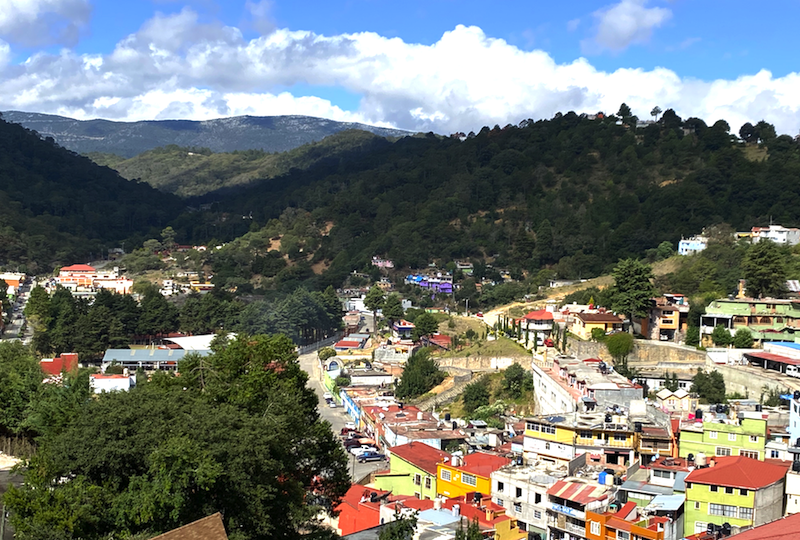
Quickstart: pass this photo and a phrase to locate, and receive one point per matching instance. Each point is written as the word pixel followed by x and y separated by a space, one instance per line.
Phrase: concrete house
pixel 413 470
pixel 745 436
pixel 584 323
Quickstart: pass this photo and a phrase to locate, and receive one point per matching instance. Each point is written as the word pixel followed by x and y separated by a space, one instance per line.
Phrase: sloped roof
pixel 78 268
pixel 482 464
pixel 540 315
pixel 739 472
pixel 599 317
pixel 208 528
pixel 420 455
pixel 578 492
pixel 784 528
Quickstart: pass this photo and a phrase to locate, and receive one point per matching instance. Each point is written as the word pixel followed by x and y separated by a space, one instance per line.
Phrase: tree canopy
pixel 633 288
pixel 420 374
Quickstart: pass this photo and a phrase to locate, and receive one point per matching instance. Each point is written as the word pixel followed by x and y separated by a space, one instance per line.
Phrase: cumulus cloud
pixel 5 54
pixel 43 22
pixel 175 67
pixel 625 23
pixel 261 15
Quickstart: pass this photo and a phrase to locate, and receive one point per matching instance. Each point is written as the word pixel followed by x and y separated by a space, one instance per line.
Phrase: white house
pixel 695 244
pixel 100 382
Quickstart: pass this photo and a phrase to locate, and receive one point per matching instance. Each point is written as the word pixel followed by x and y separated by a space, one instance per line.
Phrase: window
pixel 522 526
pixel 623 535
pixel 532 426
pixel 585 434
pixel 728 491
pixel 697 505
pixel 500 502
pixel 746 513
pixel 723 451
pixel 712 434
pixel 754 438
pixel 774 454
pixel 713 489
pixel 417 495
pixel 662 474
pixel 548 429
pixel 537 514
pixel 749 453
pixel 500 486
pixel 724 510
pixel 469 479
pixel 743 492
pixel 547 446
pixel 731 436
pixel 537 498
pixel 427 482
pixel 620 437
pixel 519 492
pixel 517 507
pixel 445 475
pixel 594 528
pixel 417 480
pixel 700 527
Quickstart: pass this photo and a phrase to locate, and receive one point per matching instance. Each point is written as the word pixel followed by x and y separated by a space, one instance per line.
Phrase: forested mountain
pixel 59 207
pixel 196 171
pixel 570 193
pixel 127 139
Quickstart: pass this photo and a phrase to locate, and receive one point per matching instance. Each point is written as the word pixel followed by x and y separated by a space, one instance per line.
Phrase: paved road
pixel 337 417
pixel 11 331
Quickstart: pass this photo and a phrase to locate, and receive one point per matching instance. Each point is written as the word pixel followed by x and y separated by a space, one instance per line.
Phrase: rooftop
pixel 739 472
pixel 78 268
pixel 540 315
pixel 420 455
pixel 207 528
pixel 482 464
pixel 599 318
pixel 579 492
pixel 782 529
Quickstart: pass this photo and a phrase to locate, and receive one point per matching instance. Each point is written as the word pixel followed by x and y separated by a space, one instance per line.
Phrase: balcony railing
pixel 610 443
pixel 568 526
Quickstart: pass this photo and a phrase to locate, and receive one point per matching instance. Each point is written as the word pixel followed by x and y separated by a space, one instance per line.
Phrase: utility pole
pixel 466 300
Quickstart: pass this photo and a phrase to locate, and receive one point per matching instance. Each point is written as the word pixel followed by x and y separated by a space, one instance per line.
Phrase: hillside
pixel 191 172
pixel 128 139
pixel 59 207
pixel 570 194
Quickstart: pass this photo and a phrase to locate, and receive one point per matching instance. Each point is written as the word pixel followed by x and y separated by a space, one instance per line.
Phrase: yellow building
pixel 584 323
pixel 465 475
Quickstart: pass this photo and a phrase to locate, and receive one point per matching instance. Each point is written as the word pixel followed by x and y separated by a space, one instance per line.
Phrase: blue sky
pixel 444 65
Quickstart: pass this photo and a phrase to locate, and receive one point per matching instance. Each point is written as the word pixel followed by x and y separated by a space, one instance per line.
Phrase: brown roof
pixel 208 528
pixel 599 317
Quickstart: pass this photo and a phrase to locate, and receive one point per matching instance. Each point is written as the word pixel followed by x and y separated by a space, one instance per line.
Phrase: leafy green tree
pixel 420 374
pixel 425 325
pixel 665 250
pixel 20 379
pixel 325 353
pixel 516 380
pixel 764 269
pixel 693 336
pixel 476 394
pixel 158 316
pixel 624 111
pixel 743 339
pixel 710 387
pixel 248 443
pixel 747 132
pixel 619 346
pixel 393 308
pixel 401 528
pixel 471 532
pixel 721 336
pixel 633 288
pixel 373 301
pixel 671 382
pixel 655 112
pixel 598 334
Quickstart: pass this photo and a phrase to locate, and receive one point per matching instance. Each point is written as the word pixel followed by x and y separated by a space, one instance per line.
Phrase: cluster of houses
pixel 598 462
pixel 84 280
pixel 775 233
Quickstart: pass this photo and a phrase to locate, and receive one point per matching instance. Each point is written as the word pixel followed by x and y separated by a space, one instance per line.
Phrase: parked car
pixel 327 396
pixel 370 456
pixel 351 443
pixel 360 449
pixel 332 404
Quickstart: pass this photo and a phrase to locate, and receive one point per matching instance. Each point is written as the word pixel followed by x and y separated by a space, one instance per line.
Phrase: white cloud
pixel 573 24
pixel 625 23
pixel 178 68
pixel 43 22
pixel 5 54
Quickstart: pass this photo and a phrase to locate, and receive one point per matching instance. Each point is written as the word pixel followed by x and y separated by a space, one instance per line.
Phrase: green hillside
pixel 570 194
pixel 190 172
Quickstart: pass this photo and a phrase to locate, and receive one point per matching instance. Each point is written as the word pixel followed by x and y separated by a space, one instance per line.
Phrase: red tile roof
pixel 578 492
pixel 208 528
pixel 599 318
pixel 775 358
pixel 482 464
pixel 540 315
pixel 420 455
pixel 739 472
pixel 78 268
pixel 782 529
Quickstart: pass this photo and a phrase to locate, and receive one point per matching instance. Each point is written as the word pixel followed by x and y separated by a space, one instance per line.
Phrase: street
pixel 12 329
pixel 336 417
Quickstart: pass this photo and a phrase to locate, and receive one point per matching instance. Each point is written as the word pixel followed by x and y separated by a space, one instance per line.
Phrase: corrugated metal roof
pixel 578 492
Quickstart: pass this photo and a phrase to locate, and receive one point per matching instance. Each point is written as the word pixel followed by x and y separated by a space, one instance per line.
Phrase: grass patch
pixel 524 406
pixel 499 347
pixel 462 324
pixel 754 153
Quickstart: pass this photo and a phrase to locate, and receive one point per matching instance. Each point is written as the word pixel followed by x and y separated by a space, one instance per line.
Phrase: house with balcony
pixel 720 436
pixel 652 479
pixel 539 323
pixel 667 318
pixel 462 475
pixel 566 384
pixel 583 323
pixel 737 490
pixel 776 233
pixel 413 470
pixel 522 491
pixel 568 502
pixel 768 319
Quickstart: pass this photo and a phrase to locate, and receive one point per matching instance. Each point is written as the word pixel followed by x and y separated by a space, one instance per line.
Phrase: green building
pixel 767 319
pixel 739 491
pixel 739 437
pixel 412 470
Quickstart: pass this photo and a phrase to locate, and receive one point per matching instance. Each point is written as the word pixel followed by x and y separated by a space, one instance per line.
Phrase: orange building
pixel 608 526
pixel 469 474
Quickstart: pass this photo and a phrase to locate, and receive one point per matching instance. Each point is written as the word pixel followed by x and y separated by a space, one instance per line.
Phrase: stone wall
pixel 485 363
pixel 644 353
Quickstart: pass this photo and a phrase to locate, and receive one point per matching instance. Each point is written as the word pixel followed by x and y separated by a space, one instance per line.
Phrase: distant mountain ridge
pixel 128 139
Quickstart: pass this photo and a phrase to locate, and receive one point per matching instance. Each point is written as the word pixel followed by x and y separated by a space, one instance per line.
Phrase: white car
pixel 357 450
pixel 327 396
